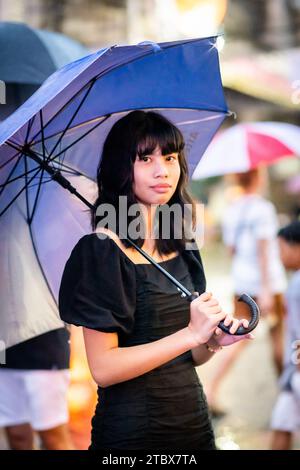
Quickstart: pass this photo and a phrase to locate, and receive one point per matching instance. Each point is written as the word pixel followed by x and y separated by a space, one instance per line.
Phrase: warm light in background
pixel 82 394
pixel 201 17
pixel 176 19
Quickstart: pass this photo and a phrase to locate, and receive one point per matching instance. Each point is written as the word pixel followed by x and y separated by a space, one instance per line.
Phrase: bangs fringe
pixel 164 135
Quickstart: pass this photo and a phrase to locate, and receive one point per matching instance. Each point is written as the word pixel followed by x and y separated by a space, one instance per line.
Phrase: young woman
pixel 142 339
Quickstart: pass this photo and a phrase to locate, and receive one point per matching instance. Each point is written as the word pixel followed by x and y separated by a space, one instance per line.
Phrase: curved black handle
pixel 255 314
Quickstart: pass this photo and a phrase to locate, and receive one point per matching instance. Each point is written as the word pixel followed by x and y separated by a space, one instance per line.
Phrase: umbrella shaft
pixel 57 176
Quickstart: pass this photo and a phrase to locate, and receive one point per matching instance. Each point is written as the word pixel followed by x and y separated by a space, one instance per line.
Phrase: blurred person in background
pixel 249 231
pixel 286 414
pixel 33 392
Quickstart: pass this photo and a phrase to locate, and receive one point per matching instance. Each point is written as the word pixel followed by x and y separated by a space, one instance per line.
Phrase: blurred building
pixel 102 22
pixel 268 24
pixel 93 22
pixel 260 60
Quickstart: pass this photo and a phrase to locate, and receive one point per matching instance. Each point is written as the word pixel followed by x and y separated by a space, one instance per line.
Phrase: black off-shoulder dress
pixel 104 290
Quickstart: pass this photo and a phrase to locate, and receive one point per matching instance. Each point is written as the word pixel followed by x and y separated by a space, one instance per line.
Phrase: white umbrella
pixel 247 145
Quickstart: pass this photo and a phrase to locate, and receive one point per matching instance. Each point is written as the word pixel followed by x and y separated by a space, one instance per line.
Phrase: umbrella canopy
pixel 65 124
pixel 247 145
pixel 28 57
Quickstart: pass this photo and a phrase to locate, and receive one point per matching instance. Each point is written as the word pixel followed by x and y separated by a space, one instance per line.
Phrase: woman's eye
pixel 171 157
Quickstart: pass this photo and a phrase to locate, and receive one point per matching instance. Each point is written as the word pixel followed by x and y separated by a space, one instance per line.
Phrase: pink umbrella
pixel 247 145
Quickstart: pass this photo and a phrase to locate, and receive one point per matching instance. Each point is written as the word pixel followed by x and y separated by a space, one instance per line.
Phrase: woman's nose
pixel 160 170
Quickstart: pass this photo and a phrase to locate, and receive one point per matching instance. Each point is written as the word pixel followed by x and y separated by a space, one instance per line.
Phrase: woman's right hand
pixel 205 315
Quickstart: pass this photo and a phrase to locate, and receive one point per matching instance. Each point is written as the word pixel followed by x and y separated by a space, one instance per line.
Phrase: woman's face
pixel 153 170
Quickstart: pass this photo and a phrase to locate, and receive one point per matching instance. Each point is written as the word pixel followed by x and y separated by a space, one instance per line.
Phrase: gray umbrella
pixel 28 56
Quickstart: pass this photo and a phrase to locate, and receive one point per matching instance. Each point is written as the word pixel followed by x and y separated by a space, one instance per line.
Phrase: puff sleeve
pixel 98 287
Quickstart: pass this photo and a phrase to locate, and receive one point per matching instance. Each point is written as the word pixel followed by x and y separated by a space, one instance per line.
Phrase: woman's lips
pixel 161 188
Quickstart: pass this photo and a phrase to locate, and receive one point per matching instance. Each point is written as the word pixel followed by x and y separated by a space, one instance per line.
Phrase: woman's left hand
pixel 219 338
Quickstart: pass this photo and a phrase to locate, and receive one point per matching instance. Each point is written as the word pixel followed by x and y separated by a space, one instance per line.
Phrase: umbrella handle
pixel 255 314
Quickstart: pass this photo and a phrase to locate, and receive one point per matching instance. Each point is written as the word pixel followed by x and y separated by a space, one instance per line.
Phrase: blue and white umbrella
pixel 64 125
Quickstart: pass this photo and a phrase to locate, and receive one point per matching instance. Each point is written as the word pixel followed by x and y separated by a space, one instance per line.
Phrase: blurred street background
pixel 260 65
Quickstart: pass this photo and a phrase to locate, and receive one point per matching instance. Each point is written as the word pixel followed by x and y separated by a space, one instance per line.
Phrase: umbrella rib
pixel 64 106
pixel 66 168
pixel 56 176
pixel 82 88
pixel 26 190
pixel 71 120
pixel 43 137
pixel 10 174
pixel 30 124
pixel 44 182
pixel 30 217
pixel 93 79
pixel 18 194
pixel 36 197
pixel 30 214
pixel 72 171
pixel 79 138
pixel 84 123
pixel 8 181
pixel 11 158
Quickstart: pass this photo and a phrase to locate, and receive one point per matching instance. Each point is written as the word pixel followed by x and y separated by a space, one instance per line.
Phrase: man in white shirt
pixel 249 231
